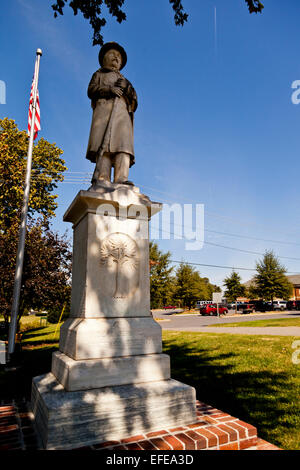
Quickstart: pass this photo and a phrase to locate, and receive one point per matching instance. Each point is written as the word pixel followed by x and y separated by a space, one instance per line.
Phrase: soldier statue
pixel 114 102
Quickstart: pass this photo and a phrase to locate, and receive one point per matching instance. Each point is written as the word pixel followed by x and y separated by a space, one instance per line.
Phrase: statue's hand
pixel 121 83
pixel 117 91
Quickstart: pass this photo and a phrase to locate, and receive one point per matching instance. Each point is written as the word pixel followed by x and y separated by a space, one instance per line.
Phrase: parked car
pixel 170 307
pixel 248 308
pixel 236 305
pixel 231 305
pixel 201 303
pixel 211 309
pixel 240 305
pixel 261 305
pixel 293 305
pixel 278 305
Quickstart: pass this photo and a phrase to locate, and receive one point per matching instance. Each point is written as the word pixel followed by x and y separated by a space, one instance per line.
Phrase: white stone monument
pixel 109 379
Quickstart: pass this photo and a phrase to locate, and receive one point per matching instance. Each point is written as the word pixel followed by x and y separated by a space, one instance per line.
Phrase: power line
pixel 86 180
pixel 81 179
pixel 244 236
pixel 252 238
pixel 206 230
pixel 214 266
pixel 220 266
pixel 247 251
pixel 228 247
pixel 225 267
pixel 219 216
pixel 212 214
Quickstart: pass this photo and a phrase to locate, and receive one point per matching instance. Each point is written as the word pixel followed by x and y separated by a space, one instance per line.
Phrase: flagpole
pixel 22 233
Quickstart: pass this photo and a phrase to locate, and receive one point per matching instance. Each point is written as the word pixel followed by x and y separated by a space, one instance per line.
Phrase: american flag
pixel 37 123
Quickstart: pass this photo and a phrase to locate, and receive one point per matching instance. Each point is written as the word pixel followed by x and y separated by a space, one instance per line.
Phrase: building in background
pixel 294 280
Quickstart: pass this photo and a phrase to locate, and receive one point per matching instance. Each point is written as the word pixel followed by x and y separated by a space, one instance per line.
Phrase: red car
pixel 170 307
pixel 211 309
pixel 248 308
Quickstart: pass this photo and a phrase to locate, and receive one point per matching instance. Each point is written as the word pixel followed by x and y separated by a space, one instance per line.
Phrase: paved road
pixel 273 331
pixel 206 324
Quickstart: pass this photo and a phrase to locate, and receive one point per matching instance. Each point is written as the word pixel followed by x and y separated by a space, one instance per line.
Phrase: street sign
pixel 217 297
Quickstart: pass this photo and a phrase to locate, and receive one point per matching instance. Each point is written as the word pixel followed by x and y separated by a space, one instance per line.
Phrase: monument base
pixel 67 420
pixel 108 372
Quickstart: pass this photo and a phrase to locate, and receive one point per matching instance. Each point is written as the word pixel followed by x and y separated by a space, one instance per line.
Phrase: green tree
pixel 210 288
pixel 186 290
pixel 190 287
pixel 47 261
pixel 270 280
pixel 161 280
pixel 92 10
pixel 47 170
pixel 234 287
pixel 46 272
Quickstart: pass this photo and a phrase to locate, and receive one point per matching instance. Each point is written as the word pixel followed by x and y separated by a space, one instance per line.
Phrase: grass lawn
pixel 38 344
pixel 265 323
pixel 250 377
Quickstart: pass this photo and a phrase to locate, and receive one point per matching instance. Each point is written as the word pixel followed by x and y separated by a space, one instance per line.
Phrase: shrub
pixel 54 315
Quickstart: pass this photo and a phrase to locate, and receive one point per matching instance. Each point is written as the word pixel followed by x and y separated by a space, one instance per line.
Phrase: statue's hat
pixel 112 45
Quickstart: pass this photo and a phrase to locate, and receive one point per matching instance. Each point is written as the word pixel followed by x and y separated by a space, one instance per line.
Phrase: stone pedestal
pixel 109 378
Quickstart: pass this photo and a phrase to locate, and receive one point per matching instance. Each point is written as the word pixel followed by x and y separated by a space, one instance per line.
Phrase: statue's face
pixel 112 59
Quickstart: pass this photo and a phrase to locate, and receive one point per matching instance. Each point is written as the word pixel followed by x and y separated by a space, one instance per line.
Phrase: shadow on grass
pixel 29 337
pixel 16 382
pixel 260 398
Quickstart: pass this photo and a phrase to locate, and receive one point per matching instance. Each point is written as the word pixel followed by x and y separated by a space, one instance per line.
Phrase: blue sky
pixel 215 123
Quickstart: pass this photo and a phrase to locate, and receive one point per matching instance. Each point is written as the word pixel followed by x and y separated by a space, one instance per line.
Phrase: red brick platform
pixel 213 430
pixel 16 428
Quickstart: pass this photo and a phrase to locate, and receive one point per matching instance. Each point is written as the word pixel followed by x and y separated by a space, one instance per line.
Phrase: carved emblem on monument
pixel 119 260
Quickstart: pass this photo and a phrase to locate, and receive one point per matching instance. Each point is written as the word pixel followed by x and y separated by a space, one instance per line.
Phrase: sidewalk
pixel 248 330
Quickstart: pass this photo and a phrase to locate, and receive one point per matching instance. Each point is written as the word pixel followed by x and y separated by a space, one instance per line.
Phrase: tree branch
pixel 255 6
pixel 92 11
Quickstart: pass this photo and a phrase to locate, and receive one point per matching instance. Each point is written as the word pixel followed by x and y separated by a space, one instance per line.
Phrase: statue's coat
pixel 111 129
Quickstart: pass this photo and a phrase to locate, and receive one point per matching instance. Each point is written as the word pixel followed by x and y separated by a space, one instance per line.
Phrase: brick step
pixel 264 445
pixel 16 428
pixel 213 430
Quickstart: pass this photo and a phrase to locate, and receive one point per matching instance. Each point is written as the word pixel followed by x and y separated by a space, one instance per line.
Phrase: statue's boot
pixel 121 167
pixel 102 170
